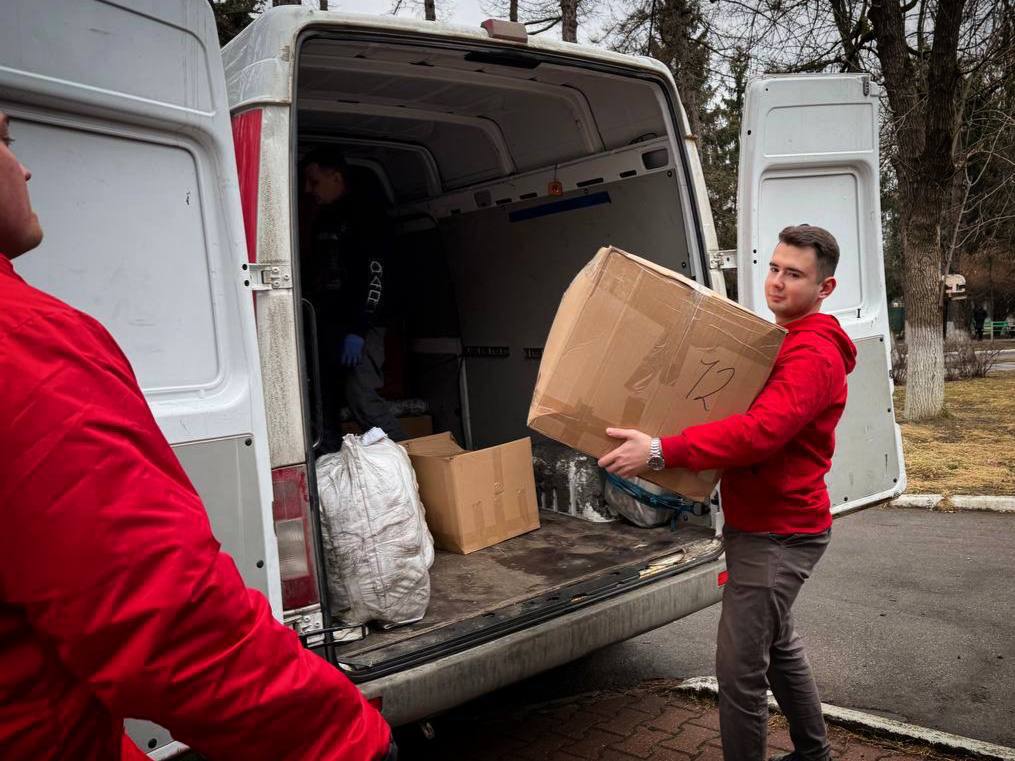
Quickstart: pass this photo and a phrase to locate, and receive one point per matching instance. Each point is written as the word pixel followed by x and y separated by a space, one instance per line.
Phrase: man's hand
pixel 630 458
pixel 352 350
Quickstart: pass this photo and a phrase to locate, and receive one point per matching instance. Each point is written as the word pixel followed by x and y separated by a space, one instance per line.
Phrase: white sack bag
pixel 377 547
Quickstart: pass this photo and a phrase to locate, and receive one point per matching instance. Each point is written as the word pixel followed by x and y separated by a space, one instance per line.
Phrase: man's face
pixel 323 185
pixel 19 226
pixel 794 288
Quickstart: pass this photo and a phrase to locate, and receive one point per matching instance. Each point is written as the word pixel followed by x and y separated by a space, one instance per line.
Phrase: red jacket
pixel 775 456
pixel 115 599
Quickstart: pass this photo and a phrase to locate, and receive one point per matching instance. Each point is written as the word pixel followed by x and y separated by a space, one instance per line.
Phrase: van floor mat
pixel 564 551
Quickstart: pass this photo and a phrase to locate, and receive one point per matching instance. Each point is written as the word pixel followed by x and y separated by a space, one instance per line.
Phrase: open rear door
pixel 809 153
pixel 120 109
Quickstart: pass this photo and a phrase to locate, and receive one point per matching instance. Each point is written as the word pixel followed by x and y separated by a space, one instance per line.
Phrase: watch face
pixel 656 463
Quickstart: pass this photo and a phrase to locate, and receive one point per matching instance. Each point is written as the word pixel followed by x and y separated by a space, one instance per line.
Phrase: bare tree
pixel 231 16
pixel 922 92
pixel 929 55
pixel 429 8
pixel 543 15
pixel 674 32
pixel 569 20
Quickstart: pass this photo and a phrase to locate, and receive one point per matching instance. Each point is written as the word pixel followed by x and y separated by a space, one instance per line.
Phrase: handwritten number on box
pixel 712 380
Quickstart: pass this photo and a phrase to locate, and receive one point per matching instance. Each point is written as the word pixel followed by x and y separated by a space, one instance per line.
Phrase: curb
pixel 852 719
pixel 956 502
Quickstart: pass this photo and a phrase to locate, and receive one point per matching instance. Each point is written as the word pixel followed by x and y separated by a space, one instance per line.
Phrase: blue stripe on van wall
pixel 558 207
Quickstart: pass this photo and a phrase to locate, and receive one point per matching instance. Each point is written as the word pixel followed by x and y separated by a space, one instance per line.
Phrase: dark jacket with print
pixel 343 272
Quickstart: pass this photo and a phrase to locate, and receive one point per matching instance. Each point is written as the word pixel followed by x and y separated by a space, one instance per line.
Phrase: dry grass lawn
pixel 971 450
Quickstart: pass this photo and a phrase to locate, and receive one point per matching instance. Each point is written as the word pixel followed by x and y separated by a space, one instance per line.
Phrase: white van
pixel 504 163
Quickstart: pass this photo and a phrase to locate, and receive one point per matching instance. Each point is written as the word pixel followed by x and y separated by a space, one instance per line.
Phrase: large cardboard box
pixel 474 499
pixel 635 345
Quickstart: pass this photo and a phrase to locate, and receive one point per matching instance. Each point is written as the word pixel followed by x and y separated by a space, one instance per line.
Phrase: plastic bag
pixel 627 506
pixel 377 547
pixel 643 503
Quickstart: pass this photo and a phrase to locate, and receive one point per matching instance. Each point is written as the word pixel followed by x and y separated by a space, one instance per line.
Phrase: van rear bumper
pixel 447 682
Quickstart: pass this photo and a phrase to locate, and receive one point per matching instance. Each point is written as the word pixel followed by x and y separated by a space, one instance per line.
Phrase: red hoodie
pixel 775 455
pixel 115 599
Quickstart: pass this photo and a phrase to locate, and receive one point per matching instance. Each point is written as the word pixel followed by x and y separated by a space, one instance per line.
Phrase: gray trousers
pixel 361 384
pixel 758 647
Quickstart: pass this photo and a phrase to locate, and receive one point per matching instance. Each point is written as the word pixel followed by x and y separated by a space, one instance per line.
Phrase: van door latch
pixel 266 276
pixel 723 260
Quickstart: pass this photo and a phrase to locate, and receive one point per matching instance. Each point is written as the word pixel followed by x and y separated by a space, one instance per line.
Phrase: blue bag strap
pixel 672 502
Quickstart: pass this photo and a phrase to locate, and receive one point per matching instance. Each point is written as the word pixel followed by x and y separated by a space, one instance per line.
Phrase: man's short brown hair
pixel 826 248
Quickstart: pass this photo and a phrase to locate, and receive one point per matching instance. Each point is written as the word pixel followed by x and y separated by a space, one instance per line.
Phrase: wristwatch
pixel 655 455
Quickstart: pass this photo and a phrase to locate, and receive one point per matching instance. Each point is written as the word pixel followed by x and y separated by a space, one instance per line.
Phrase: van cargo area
pixel 501 174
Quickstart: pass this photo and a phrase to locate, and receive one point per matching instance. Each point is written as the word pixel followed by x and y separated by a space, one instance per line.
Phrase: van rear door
pixel 809 153
pixel 120 109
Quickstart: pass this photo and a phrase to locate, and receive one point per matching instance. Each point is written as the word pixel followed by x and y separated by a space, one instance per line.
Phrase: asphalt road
pixel 910 615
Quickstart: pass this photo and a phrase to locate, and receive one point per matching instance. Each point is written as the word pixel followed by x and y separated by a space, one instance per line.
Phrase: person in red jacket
pixel 774 458
pixel 115 598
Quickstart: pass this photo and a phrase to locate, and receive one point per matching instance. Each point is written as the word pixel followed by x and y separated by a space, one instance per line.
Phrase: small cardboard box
pixel 635 345
pixel 474 499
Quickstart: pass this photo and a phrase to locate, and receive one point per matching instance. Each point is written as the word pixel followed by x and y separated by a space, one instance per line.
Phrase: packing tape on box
pixel 479 521
pixel 650 309
pixel 517 521
pixel 498 488
pixel 579 418
pixel 700 294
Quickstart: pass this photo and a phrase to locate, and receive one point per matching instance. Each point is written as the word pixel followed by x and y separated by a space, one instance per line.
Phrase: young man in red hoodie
pixel 115 598
pixel 774 458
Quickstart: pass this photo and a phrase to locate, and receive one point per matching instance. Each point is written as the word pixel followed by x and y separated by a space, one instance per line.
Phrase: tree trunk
pixel 921 289
pixel 513 11
pixel 430 9
pixel 925 125
pixel 569 20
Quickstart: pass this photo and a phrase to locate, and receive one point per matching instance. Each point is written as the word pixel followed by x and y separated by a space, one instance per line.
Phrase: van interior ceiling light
pixel 555 187
pixel 511 31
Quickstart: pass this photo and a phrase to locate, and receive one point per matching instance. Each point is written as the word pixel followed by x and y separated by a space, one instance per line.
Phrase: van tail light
pixel 291 512
pixel 724 576
pixel 247 144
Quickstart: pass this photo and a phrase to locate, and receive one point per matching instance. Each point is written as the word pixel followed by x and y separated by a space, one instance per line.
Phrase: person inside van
pixel 774 458
pixel 115 598
pixel 342 274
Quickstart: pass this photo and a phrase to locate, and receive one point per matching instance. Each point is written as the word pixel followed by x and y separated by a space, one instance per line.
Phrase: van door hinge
pixel 866 85
pixel 266 276
pixel 723 260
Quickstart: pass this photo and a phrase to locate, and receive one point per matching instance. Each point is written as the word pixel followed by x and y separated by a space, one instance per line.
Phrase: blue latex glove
pixel 352 350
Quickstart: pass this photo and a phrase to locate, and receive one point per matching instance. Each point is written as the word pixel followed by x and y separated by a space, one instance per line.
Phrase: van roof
pixel 259 62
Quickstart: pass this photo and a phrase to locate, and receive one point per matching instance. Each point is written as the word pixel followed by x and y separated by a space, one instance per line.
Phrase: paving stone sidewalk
pixel 653 723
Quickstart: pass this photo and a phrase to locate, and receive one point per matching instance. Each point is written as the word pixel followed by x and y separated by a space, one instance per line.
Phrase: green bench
pixel 996 329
